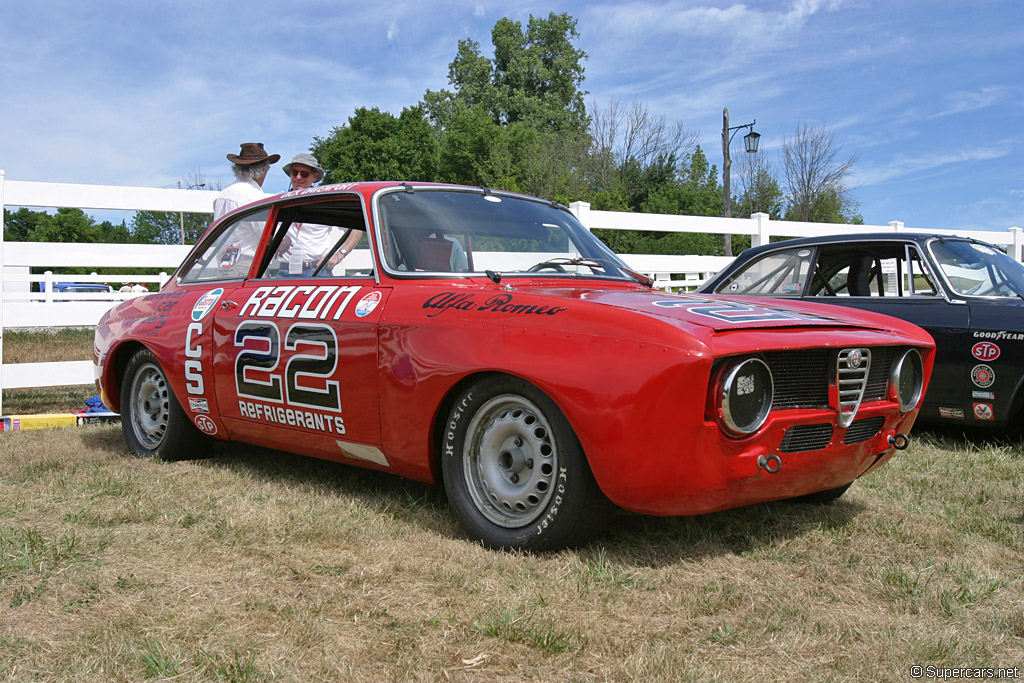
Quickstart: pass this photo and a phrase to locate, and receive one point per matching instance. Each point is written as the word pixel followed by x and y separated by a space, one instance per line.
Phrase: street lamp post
pixel 181 214
pixel 751 140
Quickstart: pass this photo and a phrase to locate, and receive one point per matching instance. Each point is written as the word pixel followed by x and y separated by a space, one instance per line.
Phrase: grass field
pixel 259 566
pixel 42 347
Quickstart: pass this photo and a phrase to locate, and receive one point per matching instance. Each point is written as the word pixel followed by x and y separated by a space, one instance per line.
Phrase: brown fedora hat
pixel 253 153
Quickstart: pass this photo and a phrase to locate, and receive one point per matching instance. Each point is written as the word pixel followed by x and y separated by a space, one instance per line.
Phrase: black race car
pixel 967 294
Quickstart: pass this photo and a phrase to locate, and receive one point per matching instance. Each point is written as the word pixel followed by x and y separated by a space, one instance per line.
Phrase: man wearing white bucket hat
pixel 307 243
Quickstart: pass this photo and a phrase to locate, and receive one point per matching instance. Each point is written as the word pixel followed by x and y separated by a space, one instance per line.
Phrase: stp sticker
pixel 985 351
pixel 367 304
pixel 983 411
pixel 205 303
pixel 206 425
pixel 983 376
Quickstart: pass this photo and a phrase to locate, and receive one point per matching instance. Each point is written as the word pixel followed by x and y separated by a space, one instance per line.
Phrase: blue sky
pixel 927 94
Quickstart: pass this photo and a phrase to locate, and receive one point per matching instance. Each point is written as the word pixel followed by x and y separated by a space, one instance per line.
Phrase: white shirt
pixel 312 241
pixel 238 193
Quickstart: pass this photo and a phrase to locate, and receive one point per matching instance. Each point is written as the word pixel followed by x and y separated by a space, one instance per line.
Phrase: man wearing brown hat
pixel 250 167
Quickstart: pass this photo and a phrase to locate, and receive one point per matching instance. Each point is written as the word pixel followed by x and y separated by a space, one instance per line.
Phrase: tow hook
pixel 771 463
pixel 899 441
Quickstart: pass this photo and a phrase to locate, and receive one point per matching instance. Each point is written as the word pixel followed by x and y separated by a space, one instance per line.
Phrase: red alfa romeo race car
pixel 487 341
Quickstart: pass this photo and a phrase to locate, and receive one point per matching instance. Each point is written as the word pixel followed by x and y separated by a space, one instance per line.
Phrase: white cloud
pixel 972 100
pixel 903 167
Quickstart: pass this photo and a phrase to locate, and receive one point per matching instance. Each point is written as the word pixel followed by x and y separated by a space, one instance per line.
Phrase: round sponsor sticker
pixel 367 304
pixel 206 303
pixel 206 425
pixel 983 411
pixel 983 376
pixel 985 351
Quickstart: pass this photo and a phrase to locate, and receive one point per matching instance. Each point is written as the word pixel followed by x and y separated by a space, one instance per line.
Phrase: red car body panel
pixel 629 367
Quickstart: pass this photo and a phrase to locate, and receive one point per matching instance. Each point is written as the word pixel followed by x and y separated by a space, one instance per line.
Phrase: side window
pixel 921 283
pixel 229 256
pixel 317 240
pixel 779 274
pixel 872 270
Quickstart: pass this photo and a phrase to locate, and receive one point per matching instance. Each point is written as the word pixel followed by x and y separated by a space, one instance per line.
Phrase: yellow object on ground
pixel 16 423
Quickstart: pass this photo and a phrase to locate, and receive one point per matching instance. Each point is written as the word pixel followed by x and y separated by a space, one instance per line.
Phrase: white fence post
pixel 1015 243
pixel 762 233
pixel 896 225
pixel 582 212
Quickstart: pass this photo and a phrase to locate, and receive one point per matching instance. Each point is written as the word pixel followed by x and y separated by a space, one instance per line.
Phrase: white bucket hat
pixel 307 160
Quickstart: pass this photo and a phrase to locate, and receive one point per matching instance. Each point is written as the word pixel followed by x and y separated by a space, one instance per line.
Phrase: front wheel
pixel 515 473
pixel 822 497
pixel 154 424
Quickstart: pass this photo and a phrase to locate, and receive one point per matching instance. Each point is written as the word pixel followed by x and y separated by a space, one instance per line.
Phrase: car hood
pixel 722 312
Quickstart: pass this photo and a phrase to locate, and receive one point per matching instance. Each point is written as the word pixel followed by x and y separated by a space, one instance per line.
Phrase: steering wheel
pixel 546 266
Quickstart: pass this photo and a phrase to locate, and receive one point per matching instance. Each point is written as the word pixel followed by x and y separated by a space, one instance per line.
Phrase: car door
pixel 296 359
pixel 894 278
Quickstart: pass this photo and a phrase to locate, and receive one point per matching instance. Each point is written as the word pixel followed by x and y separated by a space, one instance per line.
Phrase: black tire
pixel 514 471
pixel 154 424
pixel 822 497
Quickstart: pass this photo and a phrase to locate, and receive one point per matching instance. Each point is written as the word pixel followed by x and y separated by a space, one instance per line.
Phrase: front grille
pixel 800 377
pixel 852 370
pixel 803 438
pixel 882 359
pixel 862 430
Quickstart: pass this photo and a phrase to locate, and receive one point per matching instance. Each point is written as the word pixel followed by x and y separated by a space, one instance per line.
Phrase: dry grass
pixel 42 347
pixel 260 566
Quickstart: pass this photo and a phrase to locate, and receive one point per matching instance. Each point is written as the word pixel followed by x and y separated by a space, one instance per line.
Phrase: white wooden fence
pixel 22 308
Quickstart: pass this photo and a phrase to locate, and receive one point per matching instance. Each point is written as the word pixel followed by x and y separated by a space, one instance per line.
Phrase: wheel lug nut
pixel 519 441
pixel 529 463
pixel 514 478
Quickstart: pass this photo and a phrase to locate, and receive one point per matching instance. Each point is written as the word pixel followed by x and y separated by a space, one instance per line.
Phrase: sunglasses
pixel 296 173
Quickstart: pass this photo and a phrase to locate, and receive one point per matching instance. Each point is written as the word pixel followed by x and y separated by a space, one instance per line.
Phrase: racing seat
pixel 858 278
pixel 435 254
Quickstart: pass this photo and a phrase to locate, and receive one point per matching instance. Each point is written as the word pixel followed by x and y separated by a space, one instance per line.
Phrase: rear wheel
pixel 154 424
pixel 514 471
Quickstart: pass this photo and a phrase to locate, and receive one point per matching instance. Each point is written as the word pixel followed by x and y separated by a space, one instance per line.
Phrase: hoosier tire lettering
pixel 514 471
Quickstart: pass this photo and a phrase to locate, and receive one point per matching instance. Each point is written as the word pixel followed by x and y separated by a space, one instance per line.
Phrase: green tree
pixel 24 224
pixel 67 225
pixel 760 189
pixel 534 77
pixel 375 145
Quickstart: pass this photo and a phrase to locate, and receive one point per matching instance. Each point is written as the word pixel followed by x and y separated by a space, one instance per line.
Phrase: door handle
pixel 228 304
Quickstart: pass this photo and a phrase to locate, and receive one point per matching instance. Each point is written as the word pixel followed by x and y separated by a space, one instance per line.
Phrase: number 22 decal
pixel 306 377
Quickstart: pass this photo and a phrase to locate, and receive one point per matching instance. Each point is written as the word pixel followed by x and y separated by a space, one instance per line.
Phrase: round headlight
pixel 745 396
pixel 907 380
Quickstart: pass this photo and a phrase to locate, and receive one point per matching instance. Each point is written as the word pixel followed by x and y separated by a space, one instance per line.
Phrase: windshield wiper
pixel 566 261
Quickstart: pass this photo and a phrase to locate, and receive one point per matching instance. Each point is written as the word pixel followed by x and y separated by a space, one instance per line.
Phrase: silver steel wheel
pixel 511 463
pixel 150 405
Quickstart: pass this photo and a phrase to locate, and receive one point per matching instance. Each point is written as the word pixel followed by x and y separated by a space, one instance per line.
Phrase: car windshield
pixel 975 269
pixel 453 231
